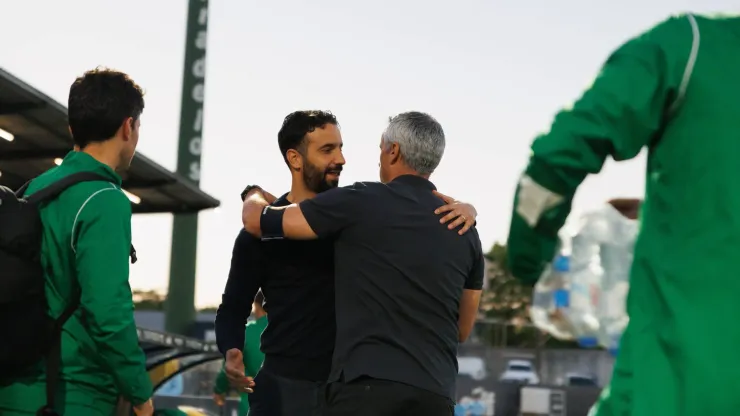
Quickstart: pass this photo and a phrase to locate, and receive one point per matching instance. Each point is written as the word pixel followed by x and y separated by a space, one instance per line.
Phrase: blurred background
pixel 220 75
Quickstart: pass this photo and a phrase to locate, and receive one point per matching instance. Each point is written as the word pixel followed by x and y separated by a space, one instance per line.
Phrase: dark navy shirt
pixel 400 275
pixel 297 279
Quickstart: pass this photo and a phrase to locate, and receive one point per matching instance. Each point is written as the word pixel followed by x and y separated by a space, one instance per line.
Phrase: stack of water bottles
pixel 582 294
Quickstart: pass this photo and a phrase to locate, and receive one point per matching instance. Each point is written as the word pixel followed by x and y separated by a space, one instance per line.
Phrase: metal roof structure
pixel 34 135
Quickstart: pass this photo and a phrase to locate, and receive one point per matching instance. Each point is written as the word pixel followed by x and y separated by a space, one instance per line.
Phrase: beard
pixel 316 180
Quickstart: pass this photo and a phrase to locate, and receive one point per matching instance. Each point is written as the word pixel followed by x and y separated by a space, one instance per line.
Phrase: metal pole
pixel 180 305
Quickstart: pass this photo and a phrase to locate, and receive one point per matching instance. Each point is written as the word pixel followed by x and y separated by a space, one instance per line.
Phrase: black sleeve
pixel 245 279
pixel 334 210
pixel 475 277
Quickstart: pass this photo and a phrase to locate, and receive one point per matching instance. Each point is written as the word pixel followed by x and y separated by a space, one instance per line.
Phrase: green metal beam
pixel 180 305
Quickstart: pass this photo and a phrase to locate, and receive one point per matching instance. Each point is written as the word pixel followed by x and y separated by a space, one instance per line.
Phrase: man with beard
pixel 297 280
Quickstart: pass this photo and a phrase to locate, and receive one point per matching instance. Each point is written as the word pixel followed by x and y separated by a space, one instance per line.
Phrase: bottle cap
pixel 561 298
pixel 561 264
pixel 588 342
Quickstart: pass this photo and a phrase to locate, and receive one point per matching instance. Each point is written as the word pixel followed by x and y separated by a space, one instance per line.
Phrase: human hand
pixel 234 370
pixel 219 399
pixel 251 190
pixel 144 409
pixel 270 198
pixel 628 207
pixel 462 213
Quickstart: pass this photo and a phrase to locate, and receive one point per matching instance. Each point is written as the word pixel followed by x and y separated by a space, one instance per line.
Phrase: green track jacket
pixel 678 353
pixel 86 246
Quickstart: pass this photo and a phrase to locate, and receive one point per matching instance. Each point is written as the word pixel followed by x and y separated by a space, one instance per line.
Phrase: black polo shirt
pixel 400 275
pixel 297 279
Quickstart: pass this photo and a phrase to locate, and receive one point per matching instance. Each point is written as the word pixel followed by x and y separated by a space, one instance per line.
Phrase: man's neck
pixel 258 313
pixel 103 154
pixel 405 171
pixel 298 192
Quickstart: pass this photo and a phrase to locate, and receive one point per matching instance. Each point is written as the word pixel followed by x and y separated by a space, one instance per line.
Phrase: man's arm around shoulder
pixel 326 214
pixel 102 243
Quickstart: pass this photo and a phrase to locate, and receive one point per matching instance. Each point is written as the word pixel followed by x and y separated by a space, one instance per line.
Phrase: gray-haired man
pixel 407 289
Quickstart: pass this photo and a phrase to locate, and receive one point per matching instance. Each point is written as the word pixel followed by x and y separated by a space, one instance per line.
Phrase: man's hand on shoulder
pixel 270 198
pixel 458 213
pixel 255 200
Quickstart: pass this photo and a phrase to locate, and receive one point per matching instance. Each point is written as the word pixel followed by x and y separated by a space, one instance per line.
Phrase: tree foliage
pixel 149 300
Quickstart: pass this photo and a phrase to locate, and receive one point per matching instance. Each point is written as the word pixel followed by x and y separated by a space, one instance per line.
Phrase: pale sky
pixel 492 72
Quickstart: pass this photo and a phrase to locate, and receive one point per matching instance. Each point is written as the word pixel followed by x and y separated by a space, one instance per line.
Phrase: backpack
pixel 29 334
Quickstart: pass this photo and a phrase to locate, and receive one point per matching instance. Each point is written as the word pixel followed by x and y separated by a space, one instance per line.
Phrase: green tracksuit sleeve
pixel 221 386
pixel 619 115
pixel 101 241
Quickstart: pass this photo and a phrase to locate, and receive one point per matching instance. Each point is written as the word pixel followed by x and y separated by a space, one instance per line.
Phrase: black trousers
pixel 373 397
pixel 280 396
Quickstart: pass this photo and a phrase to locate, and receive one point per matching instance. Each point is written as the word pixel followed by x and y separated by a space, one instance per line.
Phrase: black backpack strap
pixel 22 190
pixel 55 189
pixel 54 358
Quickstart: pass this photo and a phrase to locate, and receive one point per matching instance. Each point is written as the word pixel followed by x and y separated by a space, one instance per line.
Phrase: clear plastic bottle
pixel 586 280
pixel 566 297
pixel 582 295
pixel 550 298
pixel 616 254
pixel 582 311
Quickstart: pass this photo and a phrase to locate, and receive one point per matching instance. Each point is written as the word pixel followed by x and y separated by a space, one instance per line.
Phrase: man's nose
pixel 340 159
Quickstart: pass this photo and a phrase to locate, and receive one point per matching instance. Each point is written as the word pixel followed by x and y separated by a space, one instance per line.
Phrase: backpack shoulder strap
pixel 55 189
pixel 22 190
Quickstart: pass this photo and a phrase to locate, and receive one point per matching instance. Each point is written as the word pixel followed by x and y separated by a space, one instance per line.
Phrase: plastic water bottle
pixel 566 297
pixel 585 281
pixel 582 310
pixel 551 298
pixel 616 255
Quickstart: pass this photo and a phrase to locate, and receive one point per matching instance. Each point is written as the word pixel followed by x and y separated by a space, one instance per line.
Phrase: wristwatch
pixel 249 189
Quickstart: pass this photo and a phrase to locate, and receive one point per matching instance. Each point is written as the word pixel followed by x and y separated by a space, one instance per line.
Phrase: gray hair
pixel 420 138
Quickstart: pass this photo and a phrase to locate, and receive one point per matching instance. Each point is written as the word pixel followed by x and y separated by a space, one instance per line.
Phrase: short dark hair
pixel 297 125
pixel 259 298
pixel 99 102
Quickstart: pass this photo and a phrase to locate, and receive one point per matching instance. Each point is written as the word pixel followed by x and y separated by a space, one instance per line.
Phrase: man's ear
pixel 128 128
pixel 395 152
pixel 295 159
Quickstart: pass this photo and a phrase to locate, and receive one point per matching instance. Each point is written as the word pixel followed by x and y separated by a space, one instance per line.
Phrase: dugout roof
pixel 39 136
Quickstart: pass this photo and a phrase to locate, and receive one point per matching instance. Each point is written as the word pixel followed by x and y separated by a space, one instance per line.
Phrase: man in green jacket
pixel 85 251
pixel 253 356
pixel 673 90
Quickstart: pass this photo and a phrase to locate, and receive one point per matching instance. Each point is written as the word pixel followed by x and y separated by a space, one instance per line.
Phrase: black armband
pixel 271 224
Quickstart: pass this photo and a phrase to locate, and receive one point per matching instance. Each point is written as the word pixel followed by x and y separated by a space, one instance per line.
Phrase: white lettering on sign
pixel 194 146
pixel 198 123
pixel 203 16
pixel 194 173
pixel 197 94
pixel 201 40
pixel 199 68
